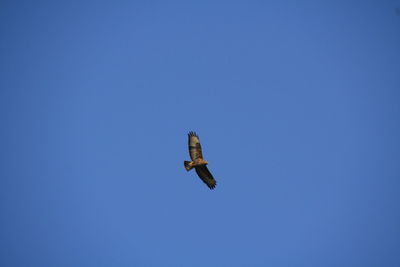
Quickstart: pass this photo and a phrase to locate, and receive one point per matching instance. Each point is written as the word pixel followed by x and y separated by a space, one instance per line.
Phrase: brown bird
pixel 198 163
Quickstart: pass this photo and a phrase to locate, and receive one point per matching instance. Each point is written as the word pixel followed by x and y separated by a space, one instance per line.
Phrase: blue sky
pixel 296 105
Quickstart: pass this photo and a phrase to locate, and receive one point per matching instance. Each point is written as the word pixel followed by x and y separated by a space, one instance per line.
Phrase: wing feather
pixel 206 176
pixel 194 146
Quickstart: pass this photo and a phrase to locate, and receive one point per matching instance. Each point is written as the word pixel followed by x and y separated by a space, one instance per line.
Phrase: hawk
pixel 198 163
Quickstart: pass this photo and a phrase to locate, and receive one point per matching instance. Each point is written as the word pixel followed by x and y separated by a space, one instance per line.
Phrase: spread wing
pixel 194 146
pixel 206 176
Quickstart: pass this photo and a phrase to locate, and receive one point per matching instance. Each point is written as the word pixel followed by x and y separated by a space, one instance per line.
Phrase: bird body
pixel 198 163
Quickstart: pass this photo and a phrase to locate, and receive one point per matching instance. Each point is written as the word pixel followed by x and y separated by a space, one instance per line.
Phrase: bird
pixel 198 163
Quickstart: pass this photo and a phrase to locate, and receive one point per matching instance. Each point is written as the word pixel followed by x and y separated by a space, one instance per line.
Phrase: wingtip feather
pixel 192 133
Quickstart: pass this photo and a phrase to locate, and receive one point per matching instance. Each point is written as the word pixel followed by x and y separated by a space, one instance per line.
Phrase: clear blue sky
pixel 297 106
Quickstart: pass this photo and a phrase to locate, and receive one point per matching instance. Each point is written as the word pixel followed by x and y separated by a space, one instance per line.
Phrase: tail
pixel 188 165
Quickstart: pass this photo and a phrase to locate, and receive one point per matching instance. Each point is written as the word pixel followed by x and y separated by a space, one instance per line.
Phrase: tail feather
pixel 188 165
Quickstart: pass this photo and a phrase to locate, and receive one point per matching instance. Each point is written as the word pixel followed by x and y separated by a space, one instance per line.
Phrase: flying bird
pixel 198 163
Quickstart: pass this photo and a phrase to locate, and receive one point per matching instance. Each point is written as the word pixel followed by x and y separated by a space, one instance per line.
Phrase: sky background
pixel 296 103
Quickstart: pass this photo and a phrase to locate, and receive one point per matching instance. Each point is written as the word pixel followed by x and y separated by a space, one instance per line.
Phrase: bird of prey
pixel 198 163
